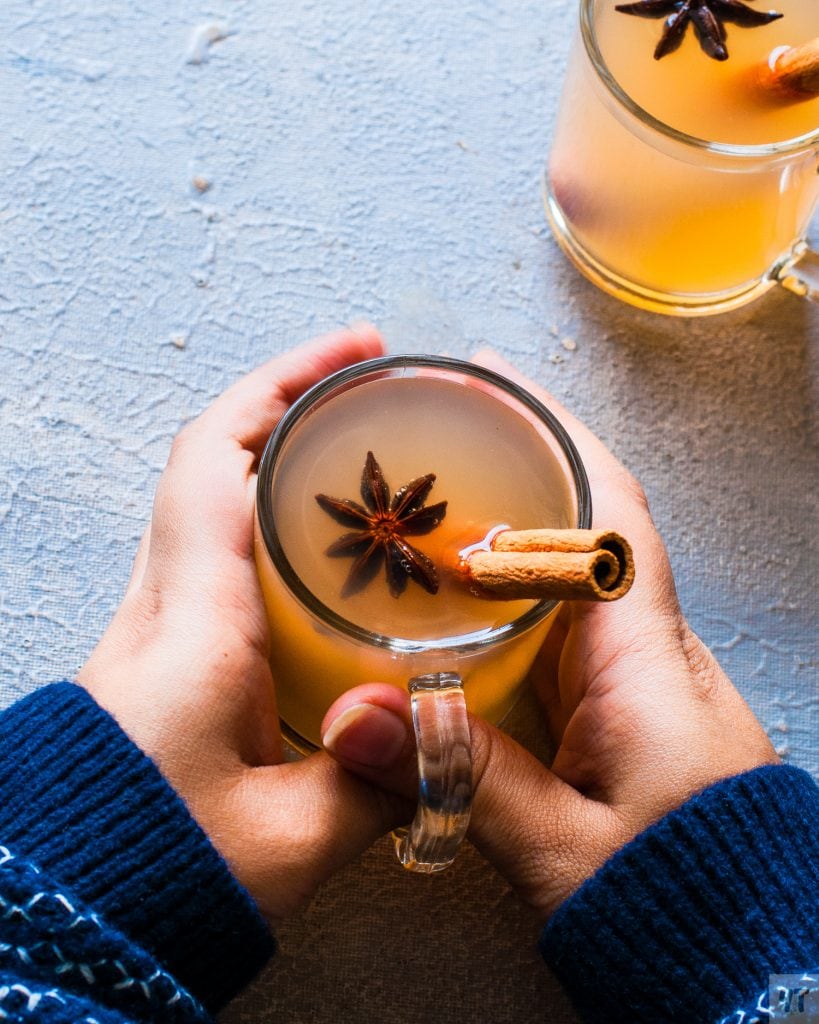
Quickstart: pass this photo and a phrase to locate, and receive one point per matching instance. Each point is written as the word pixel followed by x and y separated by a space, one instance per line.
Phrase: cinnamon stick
pixel 791 74
pixel 561 565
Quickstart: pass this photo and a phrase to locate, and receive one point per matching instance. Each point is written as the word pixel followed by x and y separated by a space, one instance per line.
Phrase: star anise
pixel 381 526
pixel 708 18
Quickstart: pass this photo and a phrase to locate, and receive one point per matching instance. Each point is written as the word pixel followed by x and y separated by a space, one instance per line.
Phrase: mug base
pixel 669 303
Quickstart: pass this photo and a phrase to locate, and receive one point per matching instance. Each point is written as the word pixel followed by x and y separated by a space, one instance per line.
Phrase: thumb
pixel 528 823
pixel 300 822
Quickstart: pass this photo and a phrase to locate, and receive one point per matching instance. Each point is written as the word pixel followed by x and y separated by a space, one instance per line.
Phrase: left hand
pixel 183 666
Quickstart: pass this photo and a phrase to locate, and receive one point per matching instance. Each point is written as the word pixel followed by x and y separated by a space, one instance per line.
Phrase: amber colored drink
pixel 673 183
pixel 494 464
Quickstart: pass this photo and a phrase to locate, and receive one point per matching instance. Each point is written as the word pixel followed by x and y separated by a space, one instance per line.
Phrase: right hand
pixel 640 714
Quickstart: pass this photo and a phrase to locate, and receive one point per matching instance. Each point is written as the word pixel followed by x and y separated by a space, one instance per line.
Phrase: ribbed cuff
pixel 687 921
pixel 79 799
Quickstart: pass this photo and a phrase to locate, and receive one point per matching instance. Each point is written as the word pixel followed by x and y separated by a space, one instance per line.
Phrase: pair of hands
pixel 639 712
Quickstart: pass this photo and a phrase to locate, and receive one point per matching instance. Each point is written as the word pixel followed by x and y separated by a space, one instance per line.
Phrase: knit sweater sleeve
pixel 688 921
pixel 88 822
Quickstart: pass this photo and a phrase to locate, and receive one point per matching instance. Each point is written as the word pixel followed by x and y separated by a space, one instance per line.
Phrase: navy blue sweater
pixel 115 907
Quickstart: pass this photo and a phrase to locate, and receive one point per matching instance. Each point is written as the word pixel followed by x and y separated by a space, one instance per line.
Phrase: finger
pixel 369 728
pixel 522 815
pixel 617 496
pixel 203 507
pixel 591 448
pixel 249 410
pixel 620 632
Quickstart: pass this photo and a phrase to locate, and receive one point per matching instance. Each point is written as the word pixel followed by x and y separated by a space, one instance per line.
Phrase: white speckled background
pixel 376 160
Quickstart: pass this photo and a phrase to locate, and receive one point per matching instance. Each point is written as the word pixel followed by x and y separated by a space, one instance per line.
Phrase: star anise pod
pixel 381 528
pixel 708 18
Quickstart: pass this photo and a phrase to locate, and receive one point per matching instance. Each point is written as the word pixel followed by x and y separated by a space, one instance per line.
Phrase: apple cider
pixel 493 464
pixel 675 181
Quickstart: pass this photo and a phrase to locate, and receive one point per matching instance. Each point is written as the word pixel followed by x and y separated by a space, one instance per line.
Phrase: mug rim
pixel 785 147
pixel 465 642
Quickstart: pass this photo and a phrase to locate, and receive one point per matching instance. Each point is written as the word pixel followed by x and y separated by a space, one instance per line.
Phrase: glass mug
pixel 659 214
pixel 499 458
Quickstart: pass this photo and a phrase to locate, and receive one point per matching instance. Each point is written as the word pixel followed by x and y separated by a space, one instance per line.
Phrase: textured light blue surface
pixel 175 207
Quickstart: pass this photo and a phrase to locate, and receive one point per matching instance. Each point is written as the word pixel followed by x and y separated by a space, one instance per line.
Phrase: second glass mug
pixel 662 219
pixel 498 454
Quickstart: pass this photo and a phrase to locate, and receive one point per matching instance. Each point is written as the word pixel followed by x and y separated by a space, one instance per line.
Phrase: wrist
pixel 702 905
pixel 86 805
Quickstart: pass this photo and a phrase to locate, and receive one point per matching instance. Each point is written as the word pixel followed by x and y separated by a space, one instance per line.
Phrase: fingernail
pixel 366 734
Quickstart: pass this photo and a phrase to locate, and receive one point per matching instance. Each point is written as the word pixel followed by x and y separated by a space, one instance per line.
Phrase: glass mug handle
pixel 800 273
pixel 444 774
